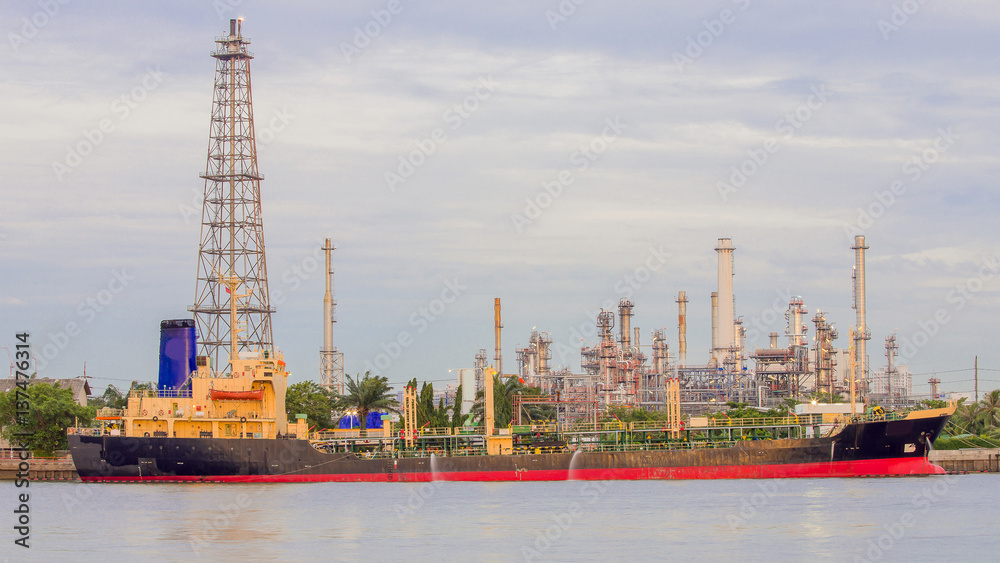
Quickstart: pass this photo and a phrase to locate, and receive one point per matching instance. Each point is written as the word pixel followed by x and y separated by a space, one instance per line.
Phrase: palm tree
pixel 504 391
pixel 967 418
pixel 367 394
pixel 989 410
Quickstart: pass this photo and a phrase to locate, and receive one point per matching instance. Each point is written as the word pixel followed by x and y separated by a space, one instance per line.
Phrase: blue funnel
pixel 177 351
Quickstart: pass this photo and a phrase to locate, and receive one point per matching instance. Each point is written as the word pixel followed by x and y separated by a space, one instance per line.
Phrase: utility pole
pixel 977 378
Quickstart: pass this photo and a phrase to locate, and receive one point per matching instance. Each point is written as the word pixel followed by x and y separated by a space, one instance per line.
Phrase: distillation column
pixel 725 326
pixel 682 342
pixel 497 357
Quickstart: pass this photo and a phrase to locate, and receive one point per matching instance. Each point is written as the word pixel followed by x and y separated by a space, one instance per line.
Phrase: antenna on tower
pixel 232 231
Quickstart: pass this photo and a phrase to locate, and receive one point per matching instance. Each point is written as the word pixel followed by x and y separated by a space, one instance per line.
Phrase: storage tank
pixel 177 350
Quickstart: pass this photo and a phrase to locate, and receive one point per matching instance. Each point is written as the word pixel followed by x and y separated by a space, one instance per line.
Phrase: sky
pixel 559 155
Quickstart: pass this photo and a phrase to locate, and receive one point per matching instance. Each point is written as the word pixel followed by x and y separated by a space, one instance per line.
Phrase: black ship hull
pixel 885 448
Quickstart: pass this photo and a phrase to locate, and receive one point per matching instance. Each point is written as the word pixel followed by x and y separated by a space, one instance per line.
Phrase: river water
pixel 918 519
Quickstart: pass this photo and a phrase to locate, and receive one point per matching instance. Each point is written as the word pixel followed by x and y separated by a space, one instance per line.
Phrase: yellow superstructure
pixel 248 402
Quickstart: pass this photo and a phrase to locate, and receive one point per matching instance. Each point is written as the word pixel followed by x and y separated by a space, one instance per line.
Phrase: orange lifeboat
pixel 252 395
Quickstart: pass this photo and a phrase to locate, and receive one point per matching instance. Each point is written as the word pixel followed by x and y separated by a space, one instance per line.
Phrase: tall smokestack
pixel 862 335
pixel 682 328
pixel 328 301
pixel 331 360
pixel 726 337
pixel 497 357
pixel 715 325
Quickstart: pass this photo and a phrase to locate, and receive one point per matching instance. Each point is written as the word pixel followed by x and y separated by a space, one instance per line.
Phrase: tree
pixel 630 414
pixel 112 398
pixel 825 397
pixel 989 409
pixel 50 411
pixel 457 418
pixel 933 403
pixel 371 393
pixel 503 402
pixel 313 400
pixel 967 418
pixel 437 416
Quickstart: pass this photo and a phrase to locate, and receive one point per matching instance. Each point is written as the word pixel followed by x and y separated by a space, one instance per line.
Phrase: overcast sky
pixel 560 157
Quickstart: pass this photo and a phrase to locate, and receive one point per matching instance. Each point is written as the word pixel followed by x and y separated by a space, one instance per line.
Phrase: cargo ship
pixel 859 449
pixel 201 424
pixel 232 427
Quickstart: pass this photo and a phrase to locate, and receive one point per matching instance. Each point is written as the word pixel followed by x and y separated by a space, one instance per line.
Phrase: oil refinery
pixel 620 370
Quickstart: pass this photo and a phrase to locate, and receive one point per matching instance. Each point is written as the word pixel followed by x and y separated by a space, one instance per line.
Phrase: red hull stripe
pixel 862 468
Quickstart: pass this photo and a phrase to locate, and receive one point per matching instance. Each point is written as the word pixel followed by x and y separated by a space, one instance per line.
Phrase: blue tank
pixel 177 352
pixel 374 420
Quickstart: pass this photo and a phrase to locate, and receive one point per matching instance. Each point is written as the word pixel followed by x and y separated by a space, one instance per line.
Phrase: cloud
pixel 656 184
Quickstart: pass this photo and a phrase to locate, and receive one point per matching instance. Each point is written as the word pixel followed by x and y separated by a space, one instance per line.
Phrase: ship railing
pixel 108 412
pixel 421 453
pixel 80 431
pixel 11 453
pixel 643 447
pixel 167 393
pixel 794 420
pixel 344 433
pixel 535 428
pixel 871 417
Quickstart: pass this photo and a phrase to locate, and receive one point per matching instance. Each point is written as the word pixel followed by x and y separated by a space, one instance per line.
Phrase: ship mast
pixel 232 232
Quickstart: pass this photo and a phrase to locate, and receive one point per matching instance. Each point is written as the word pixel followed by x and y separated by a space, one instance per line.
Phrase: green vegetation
pixel 630 414
pixel 982 418
pixel 51 410
pixel 933 404
pixel 504 391
pixel 824 397
pixel 961 442
pixel 314 401
pixel 744 410
pixel 112 398
pixel 371 393
pixel 439 416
